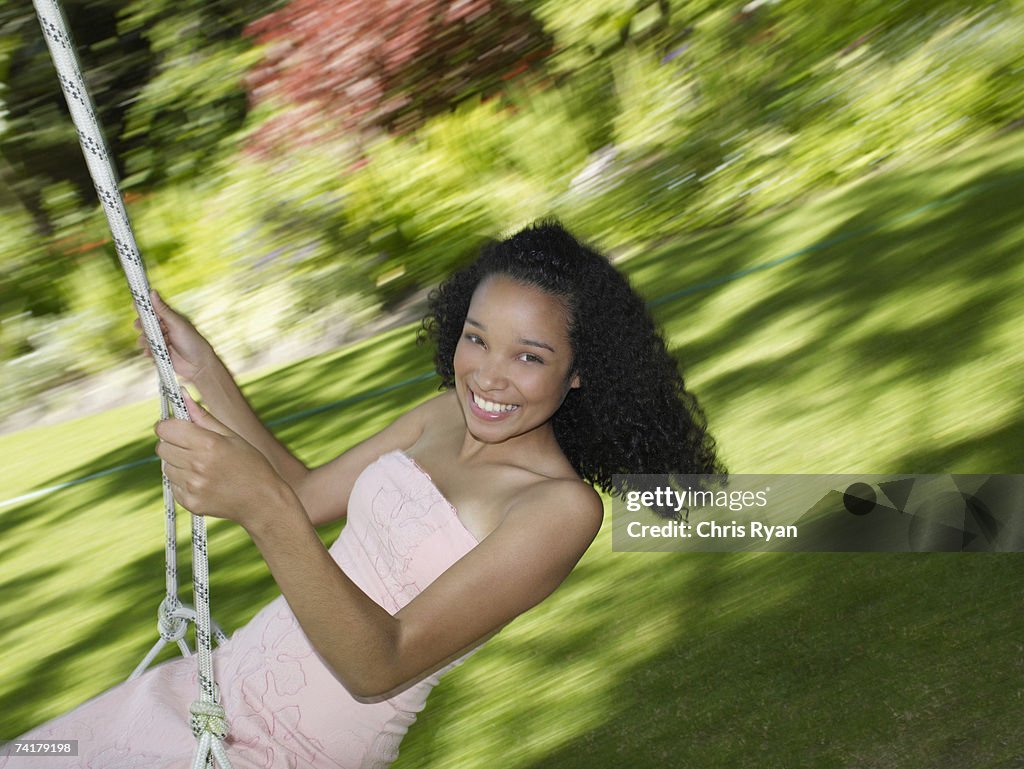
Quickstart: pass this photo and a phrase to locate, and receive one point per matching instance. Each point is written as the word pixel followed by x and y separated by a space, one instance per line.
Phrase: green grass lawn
pixel 888 342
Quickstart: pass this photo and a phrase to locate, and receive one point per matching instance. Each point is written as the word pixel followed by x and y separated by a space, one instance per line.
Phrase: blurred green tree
pixel 193 102
pixel 159 72
pixel 38 145
pixel 166 79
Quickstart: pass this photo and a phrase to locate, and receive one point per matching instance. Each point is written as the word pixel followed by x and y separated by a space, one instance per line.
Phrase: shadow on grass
pixel 893 661
pixel 907 299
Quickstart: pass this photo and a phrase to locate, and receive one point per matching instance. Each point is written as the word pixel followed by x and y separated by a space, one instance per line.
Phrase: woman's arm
pixel 542 535
pixel 519 564
pixel 196 362
pixel 324 491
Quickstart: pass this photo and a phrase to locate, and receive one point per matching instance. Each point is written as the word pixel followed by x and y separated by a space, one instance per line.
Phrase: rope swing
pixel 207 717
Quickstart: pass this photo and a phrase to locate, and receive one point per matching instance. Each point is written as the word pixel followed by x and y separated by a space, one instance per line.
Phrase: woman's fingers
pixel 189 456
pixel 203 418
pixel 184 434
pixel 173 456
pixel 180 484
pixel 143 341
pixel 211 470
pixel 165 313
pixel 167 317
pixel 162 310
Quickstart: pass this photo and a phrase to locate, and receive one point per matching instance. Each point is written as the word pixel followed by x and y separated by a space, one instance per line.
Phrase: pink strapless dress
pixel 284 707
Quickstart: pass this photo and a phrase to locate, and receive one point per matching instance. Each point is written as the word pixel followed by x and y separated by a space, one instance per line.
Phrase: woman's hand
pixel 237 426
pixel 191 354
pixel 212 471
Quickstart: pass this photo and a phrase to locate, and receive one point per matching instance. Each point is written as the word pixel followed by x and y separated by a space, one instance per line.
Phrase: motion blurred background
pixel 293 169
pixel 820 201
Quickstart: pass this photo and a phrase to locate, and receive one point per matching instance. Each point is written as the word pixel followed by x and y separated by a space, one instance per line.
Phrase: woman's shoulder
pixel 423 416
pixel 546 491
pixel 444 403
pixel 574 501
pixel 548 526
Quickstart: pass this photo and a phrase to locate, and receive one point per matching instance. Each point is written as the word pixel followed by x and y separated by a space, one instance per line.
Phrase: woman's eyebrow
pixel 528 342
pixel 532 343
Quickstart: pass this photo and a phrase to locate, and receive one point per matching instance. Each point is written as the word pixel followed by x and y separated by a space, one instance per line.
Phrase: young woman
pixel 465 512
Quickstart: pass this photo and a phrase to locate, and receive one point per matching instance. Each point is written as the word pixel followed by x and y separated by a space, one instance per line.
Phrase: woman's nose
pixel 490 374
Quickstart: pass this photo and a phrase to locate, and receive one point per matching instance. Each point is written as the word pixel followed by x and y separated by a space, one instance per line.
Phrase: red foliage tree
pixel 386 63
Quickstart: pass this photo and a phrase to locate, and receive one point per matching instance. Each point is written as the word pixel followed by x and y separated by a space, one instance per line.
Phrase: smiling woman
pixel 465 512
pixel 626 408
pixel 500 374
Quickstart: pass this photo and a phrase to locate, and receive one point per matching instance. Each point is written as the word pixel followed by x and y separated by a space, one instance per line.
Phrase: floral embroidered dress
pixel 284 707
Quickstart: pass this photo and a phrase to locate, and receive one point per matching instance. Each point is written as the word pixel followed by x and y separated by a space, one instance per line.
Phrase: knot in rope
pixel 171 626
pixel 208 717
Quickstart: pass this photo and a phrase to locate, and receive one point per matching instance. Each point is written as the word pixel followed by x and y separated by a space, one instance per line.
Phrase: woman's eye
pixel 529 357
pixel 473 338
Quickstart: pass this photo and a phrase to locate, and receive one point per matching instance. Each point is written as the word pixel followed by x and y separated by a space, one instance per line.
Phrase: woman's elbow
pixel 372 669
pixel 319 510
pixel 371 685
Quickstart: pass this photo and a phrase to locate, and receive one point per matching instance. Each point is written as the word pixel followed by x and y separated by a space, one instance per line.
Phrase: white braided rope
pixel 212 728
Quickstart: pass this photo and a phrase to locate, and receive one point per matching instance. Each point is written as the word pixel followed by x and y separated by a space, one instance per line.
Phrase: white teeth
pixel 491 407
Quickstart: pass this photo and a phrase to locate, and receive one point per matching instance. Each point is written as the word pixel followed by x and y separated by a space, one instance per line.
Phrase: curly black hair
pixel 632 412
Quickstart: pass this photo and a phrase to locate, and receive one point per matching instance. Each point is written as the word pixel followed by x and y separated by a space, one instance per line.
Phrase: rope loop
pixel 208 717
pixel 171 626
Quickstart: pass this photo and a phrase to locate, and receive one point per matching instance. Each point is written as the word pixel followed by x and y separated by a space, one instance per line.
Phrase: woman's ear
pixel 574 383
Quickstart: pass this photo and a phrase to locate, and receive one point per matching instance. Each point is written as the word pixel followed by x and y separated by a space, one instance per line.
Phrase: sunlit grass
pixel 897 348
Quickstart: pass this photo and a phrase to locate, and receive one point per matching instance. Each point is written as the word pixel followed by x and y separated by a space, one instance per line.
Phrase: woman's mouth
pixel 491 410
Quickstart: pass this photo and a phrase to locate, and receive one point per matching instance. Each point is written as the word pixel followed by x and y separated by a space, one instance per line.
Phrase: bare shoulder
pixel 422 413
pixel 436 422
pixel 445 404
pixel 411 425
pixel 564 507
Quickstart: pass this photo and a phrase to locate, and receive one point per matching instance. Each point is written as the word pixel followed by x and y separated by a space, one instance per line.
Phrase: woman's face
pixel 513 363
